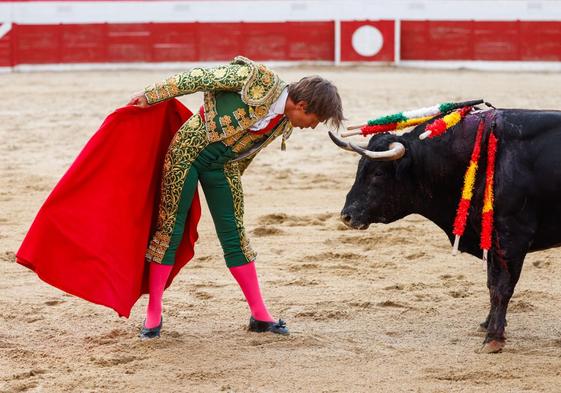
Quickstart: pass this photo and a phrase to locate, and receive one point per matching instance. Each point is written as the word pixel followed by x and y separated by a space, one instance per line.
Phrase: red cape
pixel 90 236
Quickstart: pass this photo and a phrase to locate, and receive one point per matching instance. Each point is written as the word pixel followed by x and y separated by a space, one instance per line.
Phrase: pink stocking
pixel 246 276
pixel 158 277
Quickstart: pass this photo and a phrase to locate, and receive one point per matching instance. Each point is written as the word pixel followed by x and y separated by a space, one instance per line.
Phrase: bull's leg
pixel 483 325
pixel 503 271
pixel 514 228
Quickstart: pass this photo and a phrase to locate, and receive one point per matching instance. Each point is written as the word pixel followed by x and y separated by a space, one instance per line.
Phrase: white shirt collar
pixel 279 105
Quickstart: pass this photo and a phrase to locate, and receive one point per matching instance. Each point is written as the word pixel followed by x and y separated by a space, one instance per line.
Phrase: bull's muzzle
pixel 348 221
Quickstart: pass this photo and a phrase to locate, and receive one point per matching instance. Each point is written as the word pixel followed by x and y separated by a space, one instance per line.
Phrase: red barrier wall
pixel 481 40
pixel 6 58
pixel 166 42
pixel 279 41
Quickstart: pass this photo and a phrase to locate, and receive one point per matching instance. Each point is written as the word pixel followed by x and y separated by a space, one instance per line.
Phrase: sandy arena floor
pixel 382 310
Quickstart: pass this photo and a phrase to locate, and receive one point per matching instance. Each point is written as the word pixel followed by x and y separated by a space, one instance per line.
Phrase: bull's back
pixel 530 164
pixel 527 123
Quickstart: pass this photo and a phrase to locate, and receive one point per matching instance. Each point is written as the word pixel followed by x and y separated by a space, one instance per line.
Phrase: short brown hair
pixel 321 96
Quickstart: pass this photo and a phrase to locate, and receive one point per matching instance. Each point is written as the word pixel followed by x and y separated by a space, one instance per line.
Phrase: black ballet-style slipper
pixel 150 333
pixel 262 326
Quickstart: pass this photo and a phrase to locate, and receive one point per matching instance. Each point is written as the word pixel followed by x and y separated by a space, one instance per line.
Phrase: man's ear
pixel 303 105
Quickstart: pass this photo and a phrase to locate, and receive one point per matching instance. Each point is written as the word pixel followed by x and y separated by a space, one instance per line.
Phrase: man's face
pixel 301 119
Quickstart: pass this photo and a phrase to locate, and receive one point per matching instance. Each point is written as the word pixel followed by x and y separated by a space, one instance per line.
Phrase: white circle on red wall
pixel 367 41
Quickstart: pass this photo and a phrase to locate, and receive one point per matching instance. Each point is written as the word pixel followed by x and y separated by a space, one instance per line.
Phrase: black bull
pixel 428 178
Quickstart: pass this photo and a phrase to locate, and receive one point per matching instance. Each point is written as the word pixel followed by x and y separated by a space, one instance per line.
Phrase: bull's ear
pixel 403 165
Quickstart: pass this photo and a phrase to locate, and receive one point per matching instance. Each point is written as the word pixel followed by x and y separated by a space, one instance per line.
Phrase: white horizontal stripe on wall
pixel 53 12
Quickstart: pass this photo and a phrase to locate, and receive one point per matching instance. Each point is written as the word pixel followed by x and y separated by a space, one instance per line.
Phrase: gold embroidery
pixel 257 91
pixel 227 127
pixel 266 79
pixel 196 72
pixel 243 72
pixel 258 87
pixel 230 140
pixel 194 121
pixel 243 120
pixel 220 73
pixel 187 143
pixel 232 174
pixel 262 87
pixel 231 77
pixel 261 111
pixel 157 248
pixel 245 142
pixel 243 162
pixel 210 115
pixel 247 153
pixel 225 120
pixel 151 96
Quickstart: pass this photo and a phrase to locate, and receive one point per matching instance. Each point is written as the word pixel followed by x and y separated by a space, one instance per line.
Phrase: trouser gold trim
pixel 187 143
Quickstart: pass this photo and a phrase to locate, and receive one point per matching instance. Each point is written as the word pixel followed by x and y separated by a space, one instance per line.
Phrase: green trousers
pixel 221 185
pixel 190 159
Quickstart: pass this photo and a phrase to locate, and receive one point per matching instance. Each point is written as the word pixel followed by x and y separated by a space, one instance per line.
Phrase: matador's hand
pixel 138 99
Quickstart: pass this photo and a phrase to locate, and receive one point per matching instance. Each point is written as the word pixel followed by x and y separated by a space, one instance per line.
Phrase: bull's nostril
pixel 345 218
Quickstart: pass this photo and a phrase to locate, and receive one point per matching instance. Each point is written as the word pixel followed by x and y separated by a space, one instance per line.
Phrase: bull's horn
pixel 343 144
pixel 396 151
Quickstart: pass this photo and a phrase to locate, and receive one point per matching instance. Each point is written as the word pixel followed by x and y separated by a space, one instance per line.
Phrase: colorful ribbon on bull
pixel 453 112
pixel 488 199
pixel 467 193
pixel 440 126
pixel 402 120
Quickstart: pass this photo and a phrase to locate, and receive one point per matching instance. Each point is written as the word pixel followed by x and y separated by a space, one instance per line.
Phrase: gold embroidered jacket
pixel 225 120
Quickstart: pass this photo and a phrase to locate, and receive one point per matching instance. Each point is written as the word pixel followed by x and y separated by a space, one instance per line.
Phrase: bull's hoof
pixel 492 347
pixel 482 328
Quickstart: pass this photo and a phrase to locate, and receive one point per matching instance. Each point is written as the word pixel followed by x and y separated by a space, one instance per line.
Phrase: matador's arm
pixel 226 77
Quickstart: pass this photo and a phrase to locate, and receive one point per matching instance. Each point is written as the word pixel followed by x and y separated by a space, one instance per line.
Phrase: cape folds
pixel 90 236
